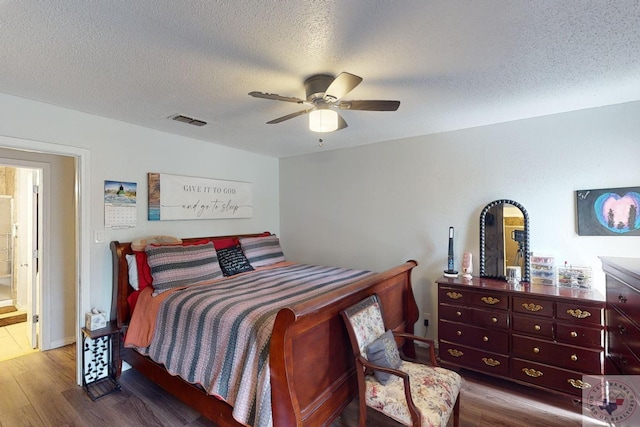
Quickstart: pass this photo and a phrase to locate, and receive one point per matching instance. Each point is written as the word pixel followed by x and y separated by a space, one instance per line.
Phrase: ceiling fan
pixel 324 96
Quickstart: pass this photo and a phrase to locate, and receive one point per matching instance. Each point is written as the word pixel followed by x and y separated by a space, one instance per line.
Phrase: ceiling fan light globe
pixel 323 120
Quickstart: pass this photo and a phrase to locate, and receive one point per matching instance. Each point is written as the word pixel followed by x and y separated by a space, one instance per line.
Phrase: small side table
pixel 98 361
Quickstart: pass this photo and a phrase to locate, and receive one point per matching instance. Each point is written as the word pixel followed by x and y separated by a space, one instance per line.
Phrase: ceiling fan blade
pixel 341 85
pixel 341 123
pixel 371 105
pixel 276 97
pixel 289 116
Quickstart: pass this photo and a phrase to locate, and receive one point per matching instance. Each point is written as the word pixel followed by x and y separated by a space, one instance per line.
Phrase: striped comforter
pixel 218 335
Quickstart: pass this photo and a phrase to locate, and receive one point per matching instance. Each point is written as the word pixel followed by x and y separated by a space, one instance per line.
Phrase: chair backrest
pixel 364 323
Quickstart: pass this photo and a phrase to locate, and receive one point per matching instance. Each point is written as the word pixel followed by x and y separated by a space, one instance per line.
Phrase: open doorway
pixel 64 261
pixel 20 222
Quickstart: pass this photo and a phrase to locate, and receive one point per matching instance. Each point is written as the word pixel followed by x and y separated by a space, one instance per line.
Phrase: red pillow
pixel 132 299
pixel 228 242
pixel 196 242
pixel 225 243
pixel 144 271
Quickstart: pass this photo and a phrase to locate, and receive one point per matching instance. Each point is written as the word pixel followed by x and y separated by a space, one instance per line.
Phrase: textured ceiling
pixel 452 63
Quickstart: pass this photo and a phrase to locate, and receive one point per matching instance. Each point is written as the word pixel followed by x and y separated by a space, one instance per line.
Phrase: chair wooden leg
pixel 363 414
pixel 456 412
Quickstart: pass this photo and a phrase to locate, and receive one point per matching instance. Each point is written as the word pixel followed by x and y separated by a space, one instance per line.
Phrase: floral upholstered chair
pixel 414 394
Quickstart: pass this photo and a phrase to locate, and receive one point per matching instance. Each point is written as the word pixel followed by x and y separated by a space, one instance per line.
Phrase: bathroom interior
pixel 13 288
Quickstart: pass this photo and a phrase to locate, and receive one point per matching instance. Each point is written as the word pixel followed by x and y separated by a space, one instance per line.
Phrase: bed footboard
pixel 312 368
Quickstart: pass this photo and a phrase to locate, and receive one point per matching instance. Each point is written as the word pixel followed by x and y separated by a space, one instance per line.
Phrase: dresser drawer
pixel 453 296
pixel 489 319
pixel 454 313
pixel 491 363
pixel 566 356
pixel 624 297
pixel 490 300
pixel 548 376
pixel 533 325
pixel 580 314
pixel 579 335
pixel 533 306
pixel 621 328
pixel 483 339
pixel 624 359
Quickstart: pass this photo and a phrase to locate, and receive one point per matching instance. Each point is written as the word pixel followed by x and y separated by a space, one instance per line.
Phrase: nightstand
pixel 98 362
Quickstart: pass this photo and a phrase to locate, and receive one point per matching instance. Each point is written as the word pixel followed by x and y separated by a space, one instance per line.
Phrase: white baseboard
pixel 61 343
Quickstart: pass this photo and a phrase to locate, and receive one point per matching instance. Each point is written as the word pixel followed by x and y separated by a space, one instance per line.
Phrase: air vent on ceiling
pixel 188 120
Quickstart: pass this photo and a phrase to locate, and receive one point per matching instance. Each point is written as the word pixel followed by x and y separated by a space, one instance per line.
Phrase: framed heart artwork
pixel 608 212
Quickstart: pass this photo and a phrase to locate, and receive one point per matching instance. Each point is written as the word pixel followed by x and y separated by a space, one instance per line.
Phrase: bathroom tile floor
pixel 14 342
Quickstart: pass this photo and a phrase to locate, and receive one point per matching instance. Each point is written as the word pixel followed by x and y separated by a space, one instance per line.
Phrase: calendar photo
pixel 120 209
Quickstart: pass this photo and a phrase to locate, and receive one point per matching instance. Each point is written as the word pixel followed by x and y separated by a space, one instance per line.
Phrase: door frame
pixel 82 223
pixel 38 297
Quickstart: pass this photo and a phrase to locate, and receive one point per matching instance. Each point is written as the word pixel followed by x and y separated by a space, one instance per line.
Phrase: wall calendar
pixel 120 210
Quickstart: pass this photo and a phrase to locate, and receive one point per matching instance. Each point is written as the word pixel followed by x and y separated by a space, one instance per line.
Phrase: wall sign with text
pixel 175 197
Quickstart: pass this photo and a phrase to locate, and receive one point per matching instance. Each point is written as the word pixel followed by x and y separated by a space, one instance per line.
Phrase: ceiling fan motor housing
pixel 316 86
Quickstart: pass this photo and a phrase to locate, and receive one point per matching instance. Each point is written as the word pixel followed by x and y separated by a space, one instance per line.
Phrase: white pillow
pixel 133 271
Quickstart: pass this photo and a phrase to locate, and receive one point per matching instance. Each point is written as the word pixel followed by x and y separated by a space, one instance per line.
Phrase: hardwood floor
pixel 39 390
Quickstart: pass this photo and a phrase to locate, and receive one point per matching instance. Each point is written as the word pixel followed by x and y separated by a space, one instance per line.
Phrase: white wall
pixel 121 151
pixel 375 206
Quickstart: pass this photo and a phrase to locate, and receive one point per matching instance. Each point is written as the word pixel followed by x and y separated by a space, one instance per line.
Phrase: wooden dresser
pixel 537 335
pixel 623 315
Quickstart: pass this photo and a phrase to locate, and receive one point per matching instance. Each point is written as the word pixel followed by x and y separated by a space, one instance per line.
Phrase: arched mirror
pixel 504 239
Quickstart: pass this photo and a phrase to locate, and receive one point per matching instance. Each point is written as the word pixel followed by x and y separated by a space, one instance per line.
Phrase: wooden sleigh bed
pixel 311 365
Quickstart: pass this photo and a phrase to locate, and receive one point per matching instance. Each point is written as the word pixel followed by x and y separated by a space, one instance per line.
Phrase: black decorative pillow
pixel 232 261
pixel 384 352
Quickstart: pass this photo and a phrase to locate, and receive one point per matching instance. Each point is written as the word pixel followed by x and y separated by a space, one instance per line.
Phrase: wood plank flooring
pixel 10 316
pixel 39 390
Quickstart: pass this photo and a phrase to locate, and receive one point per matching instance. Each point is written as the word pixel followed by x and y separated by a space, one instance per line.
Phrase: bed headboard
pixel 121 289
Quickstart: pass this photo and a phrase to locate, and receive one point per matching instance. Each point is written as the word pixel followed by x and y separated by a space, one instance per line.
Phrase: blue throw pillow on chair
pixel 384 352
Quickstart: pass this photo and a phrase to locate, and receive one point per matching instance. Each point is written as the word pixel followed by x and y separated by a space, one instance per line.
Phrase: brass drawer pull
pixel 458 313
pixel 455 353
pixel 574 358
pixel 573 334
pixel 536 350
pixel 536 327
pixel 531 306
pixel 485 339
pixel 578 384
pixel 532 372
pixel 491 362
pixel 490 300
pixel 579 313
pixel 622 299
pixel 494 319
pixel 454 295
pixel 458 333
